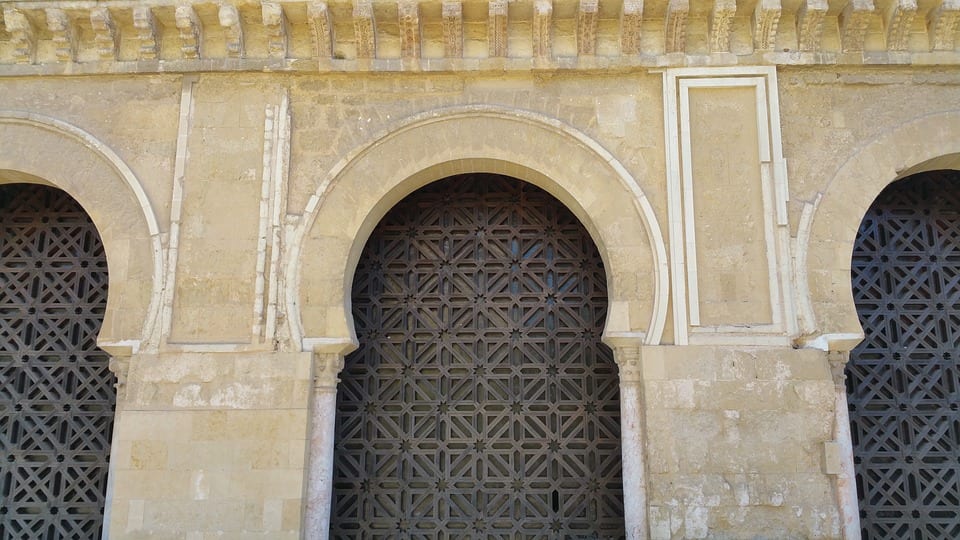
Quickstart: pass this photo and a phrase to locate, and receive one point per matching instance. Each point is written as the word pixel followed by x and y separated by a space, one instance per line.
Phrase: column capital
pixel 628 360
pixel 326 367
pixel 838 362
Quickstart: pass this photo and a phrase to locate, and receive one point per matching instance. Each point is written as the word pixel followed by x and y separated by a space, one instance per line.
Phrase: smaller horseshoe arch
pixel 588 180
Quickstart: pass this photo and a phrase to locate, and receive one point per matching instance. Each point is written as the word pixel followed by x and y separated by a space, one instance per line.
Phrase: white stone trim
pixel 176 205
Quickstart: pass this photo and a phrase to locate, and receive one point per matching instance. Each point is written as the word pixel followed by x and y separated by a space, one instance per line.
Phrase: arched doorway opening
pixel 903 380
pixel 57 394
pixel 481 401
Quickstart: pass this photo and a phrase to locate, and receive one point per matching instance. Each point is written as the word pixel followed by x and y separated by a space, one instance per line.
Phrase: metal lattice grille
pixel 902 381
pixel 56 392
pixel 481 403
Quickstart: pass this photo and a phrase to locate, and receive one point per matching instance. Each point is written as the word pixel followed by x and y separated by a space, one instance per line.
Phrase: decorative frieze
pixel 271 34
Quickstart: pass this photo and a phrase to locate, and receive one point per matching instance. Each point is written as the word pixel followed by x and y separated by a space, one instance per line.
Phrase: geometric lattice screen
pixel 903 380
pixel 56 392
pixel 481 403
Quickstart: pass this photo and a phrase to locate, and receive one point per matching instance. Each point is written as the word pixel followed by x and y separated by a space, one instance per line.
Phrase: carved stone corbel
pixel 58 23
pixel 230 19
pixel 23 36
pixel 452 13
pixel 631 18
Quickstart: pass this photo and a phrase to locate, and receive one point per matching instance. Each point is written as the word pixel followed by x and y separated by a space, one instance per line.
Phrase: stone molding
pixel 361 35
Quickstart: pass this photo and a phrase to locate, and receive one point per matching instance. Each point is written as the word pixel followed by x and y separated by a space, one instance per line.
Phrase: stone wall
pixel 232 262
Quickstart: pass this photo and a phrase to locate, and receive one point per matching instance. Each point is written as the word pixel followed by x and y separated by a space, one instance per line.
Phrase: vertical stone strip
pixel 326 367
pixel 810 24
pixel 587 27
pixel 58 23
pixel 263 228
pixel 631 16
pixel 676 26
pixel 846 478
pixel 229 18
pixel 766 20
pixel 191 31
pixel 721 19
pixel 497 28
pixel 176 205
pixel 318 17
pixel 281 172
pixel 452 28
pixel 23 37
pixel 146 25
pixel 632 428
pixel 542 23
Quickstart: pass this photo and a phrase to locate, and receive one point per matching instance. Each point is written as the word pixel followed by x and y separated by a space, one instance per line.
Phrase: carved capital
pixel 326 368
pixel 628 360
pixel 838 363
pixel 120 367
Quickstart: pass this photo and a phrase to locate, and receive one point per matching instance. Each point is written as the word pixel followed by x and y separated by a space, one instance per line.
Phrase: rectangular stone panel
pixel 216 265
pixel 732 272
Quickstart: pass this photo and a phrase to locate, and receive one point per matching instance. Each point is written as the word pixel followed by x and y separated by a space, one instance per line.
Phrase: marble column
pixel 632 437
pixel 846 478
pixel 326 367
